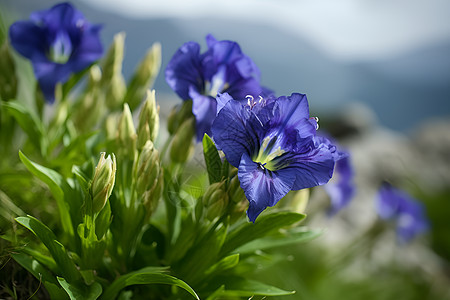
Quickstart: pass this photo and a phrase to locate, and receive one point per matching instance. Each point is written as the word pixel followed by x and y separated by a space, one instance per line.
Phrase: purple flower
pixel 408 213
pixel 201 76
pixel 58 41
pixel 341 192
pixel 273 144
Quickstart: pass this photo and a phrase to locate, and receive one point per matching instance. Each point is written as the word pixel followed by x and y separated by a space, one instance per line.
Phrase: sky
pixel 345 29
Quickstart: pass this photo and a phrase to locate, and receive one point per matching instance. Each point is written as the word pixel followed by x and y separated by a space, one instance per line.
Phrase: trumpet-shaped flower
pixel 274 145
pixel 408 213
pixel 341 191
pixel 58 41
pixel 201 76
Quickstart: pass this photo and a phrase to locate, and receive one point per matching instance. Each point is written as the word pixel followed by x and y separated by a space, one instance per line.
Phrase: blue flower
pixel 341 192
pixel 58 41
pixel 201 76
pixel 408 213
pixel 274 145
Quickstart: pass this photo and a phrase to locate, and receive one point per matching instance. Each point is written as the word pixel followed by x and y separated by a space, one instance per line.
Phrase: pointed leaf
pixel 212 160
pixel 78 292
pixel 55 182
pixel 66 265
pixel 145 276
pixel 29 122
pixel 241 287
pixel 224 264
pixel 265 225
pixel 282 238
pixel 41 273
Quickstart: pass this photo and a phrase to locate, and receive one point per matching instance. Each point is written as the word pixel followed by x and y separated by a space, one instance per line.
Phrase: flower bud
pixel 148 120
pixel 235 191
pixel 103 182
pixel 127 134
pixel 112 63
pixel 144 76
pixel 149 176
pixel 215 200
pixel 90 106
pixel 182 147
pixel 178 115
pixel 115 91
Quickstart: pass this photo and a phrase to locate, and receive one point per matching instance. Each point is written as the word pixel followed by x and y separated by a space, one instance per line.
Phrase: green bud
pixel 144 76
pixel 103 181
pixel 235 191
pixel 178 115
pixel 296 200
pixel 149 176
pixel 182 148
pixel 8 80
pixel 115 91
pixel 90 106
pixel 127 134
pixel 111 124
pixel 148 120
pixel 215 200
pixel 112 62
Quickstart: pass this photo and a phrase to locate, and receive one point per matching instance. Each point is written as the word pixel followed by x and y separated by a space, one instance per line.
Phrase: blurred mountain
pixel 402 90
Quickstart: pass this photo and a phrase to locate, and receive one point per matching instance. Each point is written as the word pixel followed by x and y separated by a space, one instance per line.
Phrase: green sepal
pixel 66 266
pixel 212 159
pixel 149 275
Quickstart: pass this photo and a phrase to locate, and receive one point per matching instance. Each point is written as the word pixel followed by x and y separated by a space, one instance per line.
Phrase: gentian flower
pixel 274 145
pixel 408 213
pixel 201 76
pixel 58 41
pixel 341 192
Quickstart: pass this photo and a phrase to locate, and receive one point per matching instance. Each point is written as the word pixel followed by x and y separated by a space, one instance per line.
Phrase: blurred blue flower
pixel 58 41
pixel 201 76
pixel 273 144
pixel 408 213
pixel 341 192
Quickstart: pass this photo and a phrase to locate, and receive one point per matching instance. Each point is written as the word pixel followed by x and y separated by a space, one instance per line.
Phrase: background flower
pixel 201 76
pixel 58 41
pixel 408 213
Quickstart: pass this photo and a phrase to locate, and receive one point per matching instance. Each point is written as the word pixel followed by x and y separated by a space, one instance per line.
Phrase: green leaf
pixel 78 292
pixel 264 225
pixel 150 275
pixel 281 238
pixel 29 122
pixel 241 287
pixel 41 273
pixel 212 160
pixel 66 265
pixel 224 264
pixel 55 182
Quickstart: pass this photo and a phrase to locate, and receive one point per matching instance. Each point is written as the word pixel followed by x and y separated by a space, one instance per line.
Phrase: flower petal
pixel 262 187
pixel 203 108
pixel 184 70
pixel 236 130
pixel 27 39
pixel 313 165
